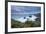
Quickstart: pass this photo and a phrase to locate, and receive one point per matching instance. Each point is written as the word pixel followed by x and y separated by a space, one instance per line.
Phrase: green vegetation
pixel 17 24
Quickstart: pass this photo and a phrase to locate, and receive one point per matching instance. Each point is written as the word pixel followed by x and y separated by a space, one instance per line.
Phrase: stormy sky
pixel 21 11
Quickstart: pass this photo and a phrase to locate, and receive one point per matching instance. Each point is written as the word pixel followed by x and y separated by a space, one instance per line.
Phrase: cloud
pixel 21 11
pixel 25 9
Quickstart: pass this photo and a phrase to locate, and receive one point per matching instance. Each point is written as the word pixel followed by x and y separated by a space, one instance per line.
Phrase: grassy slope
pixel 17 24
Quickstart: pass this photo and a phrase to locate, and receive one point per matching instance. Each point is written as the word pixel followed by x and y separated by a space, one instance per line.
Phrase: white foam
pixel 29 19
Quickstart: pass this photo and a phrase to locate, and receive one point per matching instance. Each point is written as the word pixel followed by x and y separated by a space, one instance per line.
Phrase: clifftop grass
pixel 17 24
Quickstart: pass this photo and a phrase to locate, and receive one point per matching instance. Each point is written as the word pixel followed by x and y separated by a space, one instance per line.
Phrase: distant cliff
pixel 39 17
